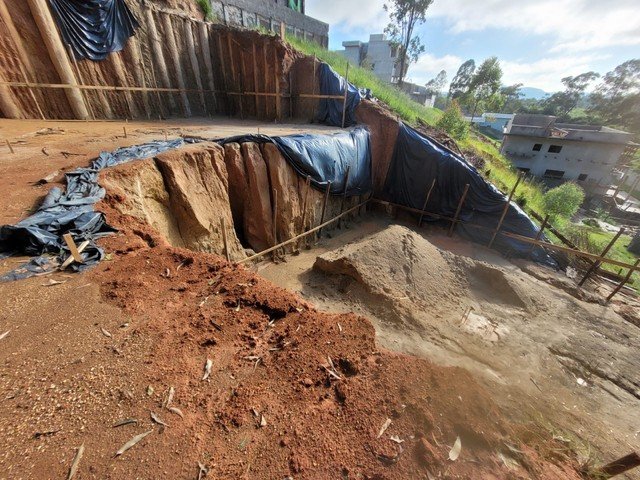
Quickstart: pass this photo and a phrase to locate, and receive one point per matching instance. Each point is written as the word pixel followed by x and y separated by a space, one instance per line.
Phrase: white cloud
pixel 571 25
pixel 429 65
pixel 547 72
pixel 367 14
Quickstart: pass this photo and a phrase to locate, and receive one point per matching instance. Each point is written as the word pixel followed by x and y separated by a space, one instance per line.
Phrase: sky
pixel 538 42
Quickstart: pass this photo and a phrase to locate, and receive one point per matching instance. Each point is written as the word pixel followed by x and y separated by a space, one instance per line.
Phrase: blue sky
pixel 537 41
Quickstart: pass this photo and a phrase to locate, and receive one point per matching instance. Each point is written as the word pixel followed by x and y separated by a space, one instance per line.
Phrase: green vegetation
pixel 564 200
pixel 205 6
pixel 398 101
pixel 453 122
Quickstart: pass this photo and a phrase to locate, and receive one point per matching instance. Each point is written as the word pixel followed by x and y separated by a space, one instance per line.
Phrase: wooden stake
pixel 346 91
pixel 307 186
pixel 68 239
pixel 290 95
pixel 9 145
pixel 225 240
pixel 426 200
pixel 124 129
pixel 538 235
pixel 276 64
pixel 505 210
pixel 597 264
pixel 624 281
pixel 274 221
pixel 619 466
pixel 283 30
pixel 460 203
pixel 344 193
pixel 70 259
pixel 314 73
pixel 324 207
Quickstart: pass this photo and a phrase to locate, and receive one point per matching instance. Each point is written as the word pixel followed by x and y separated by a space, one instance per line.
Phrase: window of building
pixel 553 174
pixel 524 169
pixel 555 148
pixel 582 177
pixel 537 147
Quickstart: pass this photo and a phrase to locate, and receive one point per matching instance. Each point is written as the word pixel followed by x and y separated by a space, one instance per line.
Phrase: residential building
pixel 419 93
pixel 270 14
pixel 494 123
pixel 378 54
pixel 559 152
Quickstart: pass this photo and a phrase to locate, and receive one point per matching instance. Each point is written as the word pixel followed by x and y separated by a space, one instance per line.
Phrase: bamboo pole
pixel 80 79
pixel 505 210
pixel 297 237
pixel 116 58
pixel 324 207
pixel 8 105
pixel 156 47
pixel 426 200
pixel 55 48
pixel 344 193
pixel 346 91
pixel 538 234
pixel 460 203
pixel 177 62
pixel 624 281
pixel 596 265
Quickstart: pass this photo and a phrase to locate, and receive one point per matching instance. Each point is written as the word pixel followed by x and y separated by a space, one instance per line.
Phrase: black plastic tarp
pixel 71 211
pixel 417 160
pixel 325 158
pixel 330 110
pixel 94 28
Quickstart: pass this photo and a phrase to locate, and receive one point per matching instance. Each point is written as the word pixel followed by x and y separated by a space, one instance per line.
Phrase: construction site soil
pixel 262 383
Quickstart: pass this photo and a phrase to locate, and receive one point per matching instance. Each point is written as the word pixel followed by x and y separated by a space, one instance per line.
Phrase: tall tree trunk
pixel 405 48
pixel 474 109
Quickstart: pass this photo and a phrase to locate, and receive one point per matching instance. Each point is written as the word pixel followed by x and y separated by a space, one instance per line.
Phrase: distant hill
pixel 535 93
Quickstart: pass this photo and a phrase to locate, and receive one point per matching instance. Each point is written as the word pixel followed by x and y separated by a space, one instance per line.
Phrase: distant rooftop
pixel 547 126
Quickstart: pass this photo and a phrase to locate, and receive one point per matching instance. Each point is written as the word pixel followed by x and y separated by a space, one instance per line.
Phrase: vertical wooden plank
pixel 138 69
pixel 225 240
pixel 195 65
pixel 255 77
pixel 324 206
pixel 460 203
pixel 624 280
pixel 223 71
pixel 346 92
pixel 84 93
pixel 344 194
pixel 538 235
pixel 276 77
pixel 266 79
pixel 234 80
pixel 156 47
pixel 177 61
pixel 206 55
pixel 305 201
pixel 118 65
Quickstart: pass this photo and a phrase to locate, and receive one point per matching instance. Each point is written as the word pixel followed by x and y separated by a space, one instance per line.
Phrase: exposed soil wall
pixel 183 194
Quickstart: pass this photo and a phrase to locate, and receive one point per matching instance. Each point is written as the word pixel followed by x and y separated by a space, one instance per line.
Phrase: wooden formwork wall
pixel 174 66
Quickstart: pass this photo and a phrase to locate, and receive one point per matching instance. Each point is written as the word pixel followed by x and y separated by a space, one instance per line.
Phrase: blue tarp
pixel 417 160
pixel 72 212
pixel 325 158
pixel 94 28
pixel 330 110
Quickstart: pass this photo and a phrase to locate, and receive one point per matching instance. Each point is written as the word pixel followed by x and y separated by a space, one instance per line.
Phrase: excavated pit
pixel 187 194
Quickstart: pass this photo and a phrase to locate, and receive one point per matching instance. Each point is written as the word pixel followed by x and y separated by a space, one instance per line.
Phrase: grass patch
pixel 205 6
pixel 398 101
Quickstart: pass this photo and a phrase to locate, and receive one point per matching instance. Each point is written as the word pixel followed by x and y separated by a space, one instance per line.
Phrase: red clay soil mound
pixel 292 392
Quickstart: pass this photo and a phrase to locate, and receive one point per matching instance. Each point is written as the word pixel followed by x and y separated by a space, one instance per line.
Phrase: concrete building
pixel 495 123
pixel 378 54
pixel 560 152
pixel 419 93
pixel 269 14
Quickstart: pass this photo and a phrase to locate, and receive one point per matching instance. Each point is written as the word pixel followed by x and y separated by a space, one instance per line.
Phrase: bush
pixel 564 200
pixel 453 123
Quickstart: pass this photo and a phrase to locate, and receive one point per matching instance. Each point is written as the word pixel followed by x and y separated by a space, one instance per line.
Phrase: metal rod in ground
pixel 324 207
pixel 346 91
pixel 504 211
pixel 307 185
pixel 426 200
pixel 9 145
pixel 225 240
pixel 597 264
pixel 274 220
pixel 543 225
pixel 619 466
pixel 624 281
pixel 344 194
pixel 460 203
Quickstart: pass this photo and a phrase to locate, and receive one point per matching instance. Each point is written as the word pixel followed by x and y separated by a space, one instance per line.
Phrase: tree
pixel 512 98
pixel 462 80
pixel 436 84
pixel 564 200
pixel 617 98
pixel 486 82
pixel 561 103
pixel 405 15
pixel 453 123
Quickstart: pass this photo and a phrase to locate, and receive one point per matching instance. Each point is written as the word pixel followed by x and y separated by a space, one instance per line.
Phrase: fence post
pixel 460 203
pixel 324 207
pixel 346 91
pixel 504 211
pixel 538 235
pixel 624 281
pixel 344 194
pixel 597 263
pixel 426 200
